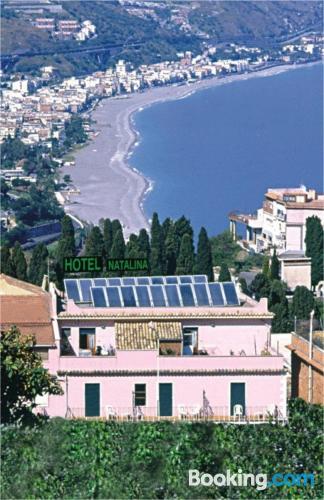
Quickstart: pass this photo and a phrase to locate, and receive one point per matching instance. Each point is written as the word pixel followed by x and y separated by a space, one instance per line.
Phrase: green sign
pixel 91 264
pixel 82 264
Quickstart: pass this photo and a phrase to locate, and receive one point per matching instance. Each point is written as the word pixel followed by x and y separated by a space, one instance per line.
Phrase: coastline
pixel 109 185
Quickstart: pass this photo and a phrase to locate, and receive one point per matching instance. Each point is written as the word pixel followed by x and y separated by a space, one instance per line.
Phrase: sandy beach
pixel 109 187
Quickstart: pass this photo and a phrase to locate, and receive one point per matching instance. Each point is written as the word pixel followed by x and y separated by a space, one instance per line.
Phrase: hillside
pixel 159 29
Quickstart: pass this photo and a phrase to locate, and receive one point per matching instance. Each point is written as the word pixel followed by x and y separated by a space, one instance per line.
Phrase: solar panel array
pixel 151 291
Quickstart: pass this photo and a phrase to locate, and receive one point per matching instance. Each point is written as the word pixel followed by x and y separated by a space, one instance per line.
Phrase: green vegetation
pixel 224 274
pixel 204 263
pixel 38 264
pixel 186 259
pixel 303 303
pixel 314 247
pixel 156 246
pixel 18 263
pixel 275 266
pixel 22 377
pixel 98 459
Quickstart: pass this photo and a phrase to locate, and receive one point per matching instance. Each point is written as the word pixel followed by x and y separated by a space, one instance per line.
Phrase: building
pixel 156 347
pixel 281 223
pixel 307 367
pixel 28 307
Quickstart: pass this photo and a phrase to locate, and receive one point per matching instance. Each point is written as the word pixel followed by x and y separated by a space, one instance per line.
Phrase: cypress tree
pixel 186 258
pixel 281 322
pixel 170 248
pixel 156 257
pixel 67 227
pixel 6 262
pixel 260 286
pixel 182 227
pixel 118 250
pixel 277 293
pixel 275 266
pixel 144 243
pixel 132 252
pixel 94 245
pixel 38 264
pixel 314 247
pixel 266 266
pixel 244 287
pixel 166 226
pixel 303 303
pixel 224 274
pixel 115 227
pixel 19 263
pixel 107 236
pixel 204 261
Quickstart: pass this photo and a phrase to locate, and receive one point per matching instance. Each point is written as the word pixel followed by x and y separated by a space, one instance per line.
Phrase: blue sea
pixel 221 148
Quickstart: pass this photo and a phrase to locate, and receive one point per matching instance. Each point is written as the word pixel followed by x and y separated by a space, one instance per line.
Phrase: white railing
pixel 221 414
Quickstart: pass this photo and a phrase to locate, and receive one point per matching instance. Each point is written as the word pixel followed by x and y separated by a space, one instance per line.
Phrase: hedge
pixel 106 459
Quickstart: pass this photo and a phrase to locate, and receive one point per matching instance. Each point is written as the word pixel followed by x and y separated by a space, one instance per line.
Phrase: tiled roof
pixel 157 314
pixel 141 335
pixel 28 307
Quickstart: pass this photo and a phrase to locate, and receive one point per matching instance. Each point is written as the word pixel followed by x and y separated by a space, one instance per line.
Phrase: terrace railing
pixel 220 414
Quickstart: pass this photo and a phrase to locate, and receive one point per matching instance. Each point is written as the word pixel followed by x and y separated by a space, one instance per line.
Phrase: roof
pixel 144 336
pixel 294 255
pixel 28 307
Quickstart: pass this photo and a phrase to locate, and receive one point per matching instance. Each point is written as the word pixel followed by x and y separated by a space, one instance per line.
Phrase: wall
pixel 296 273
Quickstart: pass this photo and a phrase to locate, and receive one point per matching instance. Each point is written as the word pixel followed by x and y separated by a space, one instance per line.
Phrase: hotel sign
pixel 98 264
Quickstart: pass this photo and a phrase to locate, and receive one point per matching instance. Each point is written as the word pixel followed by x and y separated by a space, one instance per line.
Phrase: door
pixel 237 396
pixel 92 400
pixel 165 400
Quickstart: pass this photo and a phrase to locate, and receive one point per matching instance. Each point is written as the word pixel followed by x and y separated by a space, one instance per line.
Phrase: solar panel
pixel 185 279
pixel 216 294
pixel 99 282
pixel 114 281
pixel 157 280
pixel 171 280
pixel 230 294
pixel 113 296
pixel 128 281
pixel 201 294
pixel 85 285
pixel 128 296
pixel 143 297
pixel 143 280
pixel 187 295
pixel 200 278
pixel 157 295
pixel 98 297
pixel 172 295
pixel 72 290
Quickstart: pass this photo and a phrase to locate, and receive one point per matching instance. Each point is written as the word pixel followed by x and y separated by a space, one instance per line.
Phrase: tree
pixel 94 245
pixel 303 303
pixel 204 261
pixel 277 293
pixel 118 250
pixel 144 243
pixel 170 249
pixel 65 248
pixel 6 263
pixel 244 287
pixel 19 263
pixel 182 227
pixel 115 227
pixel 107 236
pixel 186 258
pixel 266 266
pixel 281 322
pixel 314 247
pixel 224 249
pixel 260 286
pixel 38 264
pixel 156 256
pixel 224 274
pixel 67 227
pixel 22 376
pixel 275 266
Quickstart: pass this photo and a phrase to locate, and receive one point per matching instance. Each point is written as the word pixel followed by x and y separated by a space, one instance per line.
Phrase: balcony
pixel 217 414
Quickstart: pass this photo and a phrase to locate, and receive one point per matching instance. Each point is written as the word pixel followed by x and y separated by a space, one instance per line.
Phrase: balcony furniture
pixel 238 411
pixel 194 411
pixel 110 413
pixel 182 411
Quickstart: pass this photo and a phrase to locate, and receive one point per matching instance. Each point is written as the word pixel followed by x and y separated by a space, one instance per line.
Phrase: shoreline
pixel 127 187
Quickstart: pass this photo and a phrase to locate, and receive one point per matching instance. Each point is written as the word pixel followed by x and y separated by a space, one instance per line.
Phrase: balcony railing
pixel 220 414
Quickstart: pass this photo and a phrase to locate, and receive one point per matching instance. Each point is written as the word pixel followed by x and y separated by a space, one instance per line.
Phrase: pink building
pixel 154 347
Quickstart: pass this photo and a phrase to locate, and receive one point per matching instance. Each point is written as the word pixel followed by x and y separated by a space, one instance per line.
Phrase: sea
pixel 221 148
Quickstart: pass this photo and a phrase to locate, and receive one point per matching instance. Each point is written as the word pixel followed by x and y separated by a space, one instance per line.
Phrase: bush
pixel 106 459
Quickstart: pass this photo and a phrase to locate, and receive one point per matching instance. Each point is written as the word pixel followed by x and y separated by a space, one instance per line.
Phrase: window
pixel 189 336
pixel 140 394
pixel 87 338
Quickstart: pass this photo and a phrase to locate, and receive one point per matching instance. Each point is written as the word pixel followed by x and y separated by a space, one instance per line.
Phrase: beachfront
pixel 109 186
